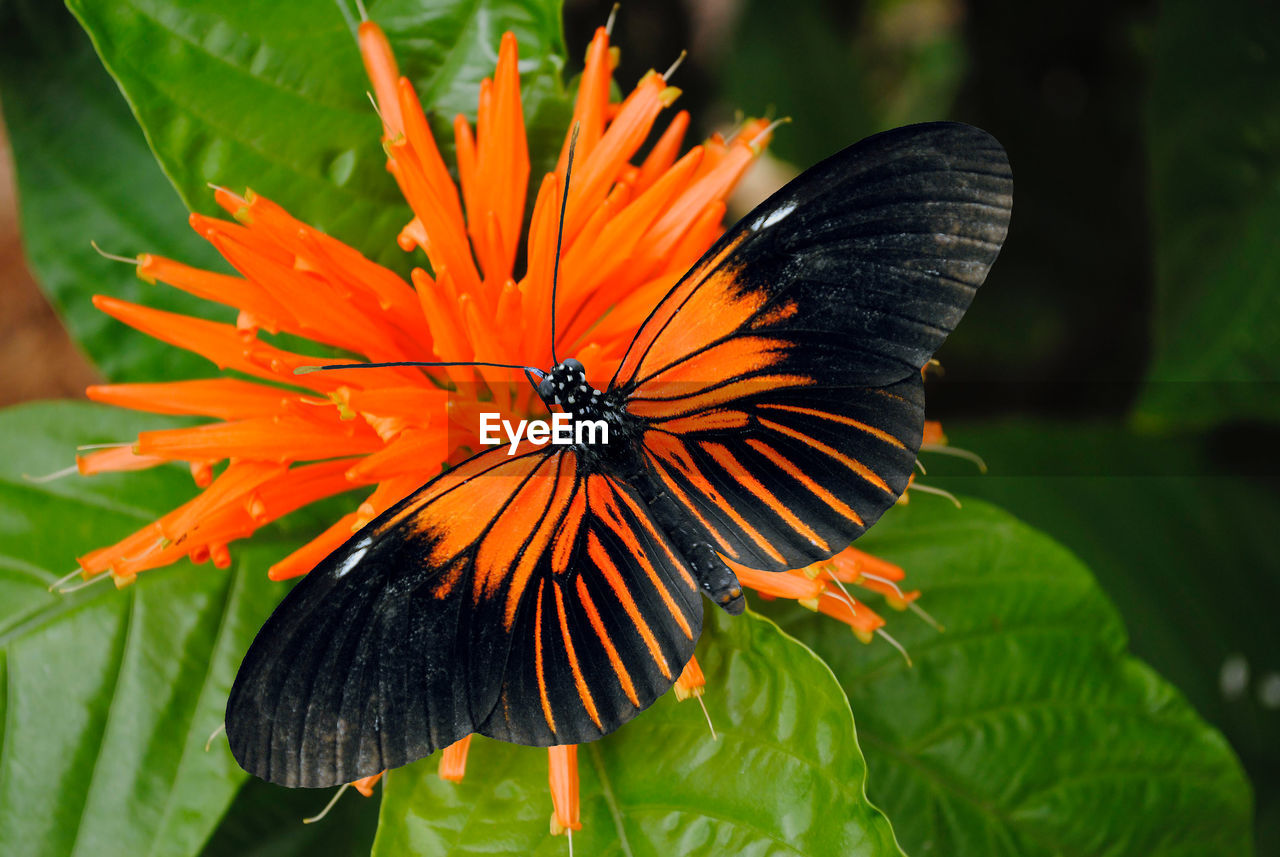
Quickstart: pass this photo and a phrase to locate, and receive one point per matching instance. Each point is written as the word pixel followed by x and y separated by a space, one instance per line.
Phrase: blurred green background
pixel 1117 371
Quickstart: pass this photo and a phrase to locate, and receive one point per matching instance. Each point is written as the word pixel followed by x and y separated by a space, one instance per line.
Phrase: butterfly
pixel 768 411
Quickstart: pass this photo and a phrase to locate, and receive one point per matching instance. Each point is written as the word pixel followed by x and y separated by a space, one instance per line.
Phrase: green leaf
pixel 1179 533
pixel 274 95
pixel 85 174
pixel 270 96
pixel 1024 729
pixel 109 696
pixel 786 776
pixel 266 821
pixel 1214 141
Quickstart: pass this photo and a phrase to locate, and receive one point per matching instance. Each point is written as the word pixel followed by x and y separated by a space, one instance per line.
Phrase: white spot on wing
pixel 773 217
pixel 353 558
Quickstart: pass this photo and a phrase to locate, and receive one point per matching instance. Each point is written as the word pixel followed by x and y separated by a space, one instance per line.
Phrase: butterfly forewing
pixel 779 381
pixel 522 597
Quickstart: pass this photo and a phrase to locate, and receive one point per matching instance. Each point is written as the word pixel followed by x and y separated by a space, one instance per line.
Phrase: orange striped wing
pixel 776 390
pixel 521 597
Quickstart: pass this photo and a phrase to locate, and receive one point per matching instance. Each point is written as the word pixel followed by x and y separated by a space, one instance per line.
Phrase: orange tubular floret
pixel 219 343
pixel 535 288
pixel 893 596
pixel 599 266
pixel 590 106
pixel 441 309
pixel 221 288
pixel 226 348
pixel 219 508
pixel 696 239
pixel 299 487
pixel 321 314
pixel 453 760
pixel 372 288
pixel 343 264
pixel 691 681
pixel 588 236
pixel 419 404
pixel 402 456
pixel 664 152
pixel 97 561
pixel 850 563
pixel 266 438
pixel 502 164
pixel 202 473
pixel 617 328
pixel 422 143
pixel 599 170
pixel 115 459
pixel 563 777
pixel 933 433
pixel 224 398
pixel 856 615
pixel 788 584
pixel 714 186
pixel 380 65
pixel 214 230
pixel 365 785
pixel 306 557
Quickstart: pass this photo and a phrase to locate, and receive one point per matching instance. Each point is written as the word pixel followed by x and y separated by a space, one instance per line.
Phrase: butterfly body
pixel 565 386
pixel 767 412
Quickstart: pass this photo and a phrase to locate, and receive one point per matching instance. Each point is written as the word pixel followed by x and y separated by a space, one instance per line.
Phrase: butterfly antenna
pixel 330 805
pixel 920 467
pixel 221 730
pixel 306 370
pixel 564 204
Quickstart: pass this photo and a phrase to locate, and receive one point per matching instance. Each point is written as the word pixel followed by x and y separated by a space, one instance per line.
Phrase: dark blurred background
pixel 1144 139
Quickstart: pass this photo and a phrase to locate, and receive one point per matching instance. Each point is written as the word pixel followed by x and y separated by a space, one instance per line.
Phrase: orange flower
pixel 631 229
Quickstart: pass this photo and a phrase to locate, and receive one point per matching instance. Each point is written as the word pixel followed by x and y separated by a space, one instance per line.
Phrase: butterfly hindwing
pixel 778 383
pixel 523 597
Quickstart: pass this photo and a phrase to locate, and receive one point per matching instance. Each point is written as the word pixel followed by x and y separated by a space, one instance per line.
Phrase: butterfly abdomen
pixel 716 579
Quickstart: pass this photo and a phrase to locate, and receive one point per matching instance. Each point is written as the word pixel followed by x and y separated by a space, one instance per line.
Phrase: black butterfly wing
pixel 523 597
pixel 778 384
